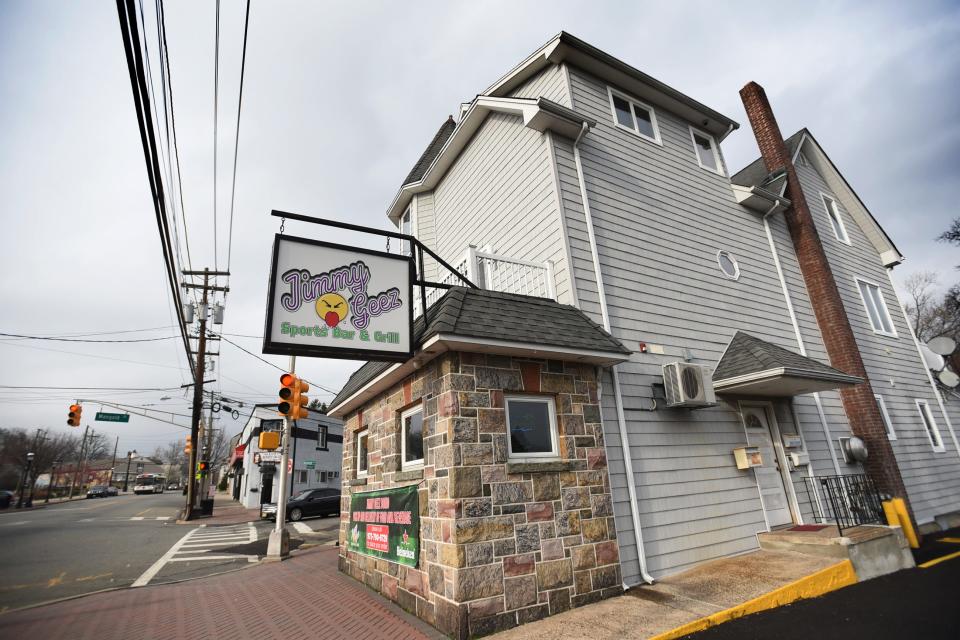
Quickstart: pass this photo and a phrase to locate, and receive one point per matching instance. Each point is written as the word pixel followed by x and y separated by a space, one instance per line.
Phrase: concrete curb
pixel 816 584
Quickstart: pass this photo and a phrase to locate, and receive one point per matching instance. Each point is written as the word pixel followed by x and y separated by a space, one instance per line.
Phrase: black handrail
pixel 852 500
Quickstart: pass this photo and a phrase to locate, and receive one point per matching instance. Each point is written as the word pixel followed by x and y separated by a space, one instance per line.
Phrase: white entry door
pixel 769 478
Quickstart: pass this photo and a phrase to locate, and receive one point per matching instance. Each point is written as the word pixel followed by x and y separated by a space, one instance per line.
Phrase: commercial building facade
pixel 581 180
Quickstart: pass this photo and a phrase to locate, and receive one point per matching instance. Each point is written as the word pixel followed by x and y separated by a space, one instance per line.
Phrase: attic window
pixel 836 221
pixel 634 116
pixel 708 156
pixel 407 228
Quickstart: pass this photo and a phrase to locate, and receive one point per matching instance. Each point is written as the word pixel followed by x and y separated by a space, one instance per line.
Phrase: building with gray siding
pixel 579 178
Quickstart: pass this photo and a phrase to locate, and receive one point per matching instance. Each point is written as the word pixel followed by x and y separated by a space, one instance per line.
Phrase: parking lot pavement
pixel 916 603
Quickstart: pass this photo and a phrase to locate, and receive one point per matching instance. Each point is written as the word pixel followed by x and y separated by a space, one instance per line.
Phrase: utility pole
pixel 76 469
pixel 198 383
pixel 113 463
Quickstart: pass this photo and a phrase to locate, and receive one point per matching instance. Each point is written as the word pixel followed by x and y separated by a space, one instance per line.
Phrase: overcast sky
pixel 340 100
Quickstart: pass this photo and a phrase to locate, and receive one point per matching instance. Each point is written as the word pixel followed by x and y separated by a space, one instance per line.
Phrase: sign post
pixel 278 546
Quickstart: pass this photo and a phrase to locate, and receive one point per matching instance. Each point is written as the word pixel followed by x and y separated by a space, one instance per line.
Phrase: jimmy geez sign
pixel 334 301
pixel 386 524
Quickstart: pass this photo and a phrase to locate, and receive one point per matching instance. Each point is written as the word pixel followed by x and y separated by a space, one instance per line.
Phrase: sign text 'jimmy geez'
pixel 334 301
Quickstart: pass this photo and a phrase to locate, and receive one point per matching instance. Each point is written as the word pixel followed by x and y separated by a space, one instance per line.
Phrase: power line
pixel 89 355
pixel 236 142
pixel 17 335
pixel 107 333
pixel 10 386
pixel 216 93
pixel 313 384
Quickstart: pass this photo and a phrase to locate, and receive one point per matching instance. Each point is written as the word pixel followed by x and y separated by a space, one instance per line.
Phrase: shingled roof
pixel 755 174
pixel 504 317
pixel 756 366
pixel 432 151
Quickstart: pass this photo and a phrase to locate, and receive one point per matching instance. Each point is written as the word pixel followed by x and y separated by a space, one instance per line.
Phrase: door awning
pixel 754 367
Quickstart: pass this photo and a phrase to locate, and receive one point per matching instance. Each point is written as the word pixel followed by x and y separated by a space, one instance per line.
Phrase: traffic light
pixel 202 467
pixel 293 402
pixel 74 415
pixel 188 448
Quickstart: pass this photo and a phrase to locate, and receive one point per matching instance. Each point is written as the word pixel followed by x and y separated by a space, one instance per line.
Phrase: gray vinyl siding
pixel 659 220
pixel 501 192
pixel 426 230
pixel 893 364
pixel 549 83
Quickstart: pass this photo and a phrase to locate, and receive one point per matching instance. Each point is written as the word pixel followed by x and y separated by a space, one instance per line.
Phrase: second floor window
pixel 708 156
pixel 876 306
pixel 411 426
pixel 322 437
pixel 634 116
pixel 891 435
pixel 836 222
pixel 406 226
pixel 933 432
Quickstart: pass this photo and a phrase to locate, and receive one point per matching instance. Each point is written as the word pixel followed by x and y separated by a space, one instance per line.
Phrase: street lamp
pixel 23 483
pixel 126 476
pixel 53 475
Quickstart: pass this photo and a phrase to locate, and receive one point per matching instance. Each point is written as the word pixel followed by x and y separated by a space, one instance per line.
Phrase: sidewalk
pixel 225 511
pixel 303 597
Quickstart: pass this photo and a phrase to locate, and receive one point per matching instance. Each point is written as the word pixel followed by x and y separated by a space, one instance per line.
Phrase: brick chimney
pixel 859 403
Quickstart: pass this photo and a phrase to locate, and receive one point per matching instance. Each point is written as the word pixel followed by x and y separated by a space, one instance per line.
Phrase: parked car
pixel 113 491
pixel 6 499
pixel 307 503
pixel 98 491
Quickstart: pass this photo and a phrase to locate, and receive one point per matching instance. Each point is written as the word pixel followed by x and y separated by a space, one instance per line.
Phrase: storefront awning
pixel 754 367
pixel 237 455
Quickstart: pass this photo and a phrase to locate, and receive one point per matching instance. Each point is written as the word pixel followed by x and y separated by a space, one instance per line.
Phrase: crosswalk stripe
pixel 302 528
pixel 137 518
pixel 230 557
pixel 163 517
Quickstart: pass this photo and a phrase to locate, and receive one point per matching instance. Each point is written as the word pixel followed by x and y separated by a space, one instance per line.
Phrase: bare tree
pixel 932 313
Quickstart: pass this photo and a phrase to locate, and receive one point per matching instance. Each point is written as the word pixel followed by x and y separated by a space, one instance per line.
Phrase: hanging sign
pixel 386 524
pixel 334 301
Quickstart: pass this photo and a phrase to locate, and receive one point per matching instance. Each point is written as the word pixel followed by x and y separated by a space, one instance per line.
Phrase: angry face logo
pixel 332 307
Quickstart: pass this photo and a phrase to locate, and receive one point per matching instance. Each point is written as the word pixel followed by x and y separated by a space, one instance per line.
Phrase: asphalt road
pixel 916 603
pixel 82 546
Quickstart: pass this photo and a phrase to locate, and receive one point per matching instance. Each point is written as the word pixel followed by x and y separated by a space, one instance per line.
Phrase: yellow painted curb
pixel 816 584
pixel 936 561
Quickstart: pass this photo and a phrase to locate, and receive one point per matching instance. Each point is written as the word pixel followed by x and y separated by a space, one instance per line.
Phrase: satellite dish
pixel 933 360
pixel 943 345
pixel 948 378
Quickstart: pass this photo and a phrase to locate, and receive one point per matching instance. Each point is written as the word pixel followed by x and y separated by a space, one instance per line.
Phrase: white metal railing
pixel 496 272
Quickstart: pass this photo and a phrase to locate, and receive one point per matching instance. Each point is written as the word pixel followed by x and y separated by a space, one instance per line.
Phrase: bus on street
pixel 149 483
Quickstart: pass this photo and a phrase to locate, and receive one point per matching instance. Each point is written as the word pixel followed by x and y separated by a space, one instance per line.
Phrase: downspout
pixel 800 345
pixel 618 399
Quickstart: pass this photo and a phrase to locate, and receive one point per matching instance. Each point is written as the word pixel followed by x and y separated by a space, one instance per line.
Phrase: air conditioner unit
pixel 688 385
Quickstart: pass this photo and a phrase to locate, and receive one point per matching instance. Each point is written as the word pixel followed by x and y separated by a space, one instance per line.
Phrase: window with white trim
pixel 301 476
pixel 406 226
pixel 361 446
pixel 933 432
pixel 708 154
pixel 531 426
pixel 836 220
pixel 876 307
pixel 411 437
pixel 728 264
pixel 634 116
pixel 887 423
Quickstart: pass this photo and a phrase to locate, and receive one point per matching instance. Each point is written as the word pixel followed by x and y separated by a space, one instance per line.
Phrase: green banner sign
pixel 310 464
pixel 386 524
pixel 113 417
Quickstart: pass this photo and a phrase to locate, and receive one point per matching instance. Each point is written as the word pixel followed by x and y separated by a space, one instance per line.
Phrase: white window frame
pixel 635 130
pixel 733 259
pixel 413 464
pixel 303 477
pixel 891 434
pixel 362 473
pixel 833 213
pixel 713 145
pixel 405 248
pixel 554 453
pixel 883 308
pixel 926 414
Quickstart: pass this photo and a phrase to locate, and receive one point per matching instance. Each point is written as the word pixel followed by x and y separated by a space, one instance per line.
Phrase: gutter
pixel 618 399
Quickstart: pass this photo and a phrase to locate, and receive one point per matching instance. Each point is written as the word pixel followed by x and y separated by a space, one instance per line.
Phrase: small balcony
pixel 496 272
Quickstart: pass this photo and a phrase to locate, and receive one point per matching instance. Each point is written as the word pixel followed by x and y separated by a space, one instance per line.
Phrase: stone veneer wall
pixel 501 543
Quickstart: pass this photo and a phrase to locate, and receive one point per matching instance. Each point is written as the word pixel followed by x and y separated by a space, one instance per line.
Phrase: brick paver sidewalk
pixel 304 597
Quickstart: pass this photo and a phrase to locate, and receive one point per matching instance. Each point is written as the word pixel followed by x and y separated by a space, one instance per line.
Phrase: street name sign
pixel 113 417
pixel 310 464
pixel 335 301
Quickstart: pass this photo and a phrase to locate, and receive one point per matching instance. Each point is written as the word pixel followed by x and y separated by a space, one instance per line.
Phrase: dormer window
pixel 708 155
pixel 634 116
pixel 836 222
